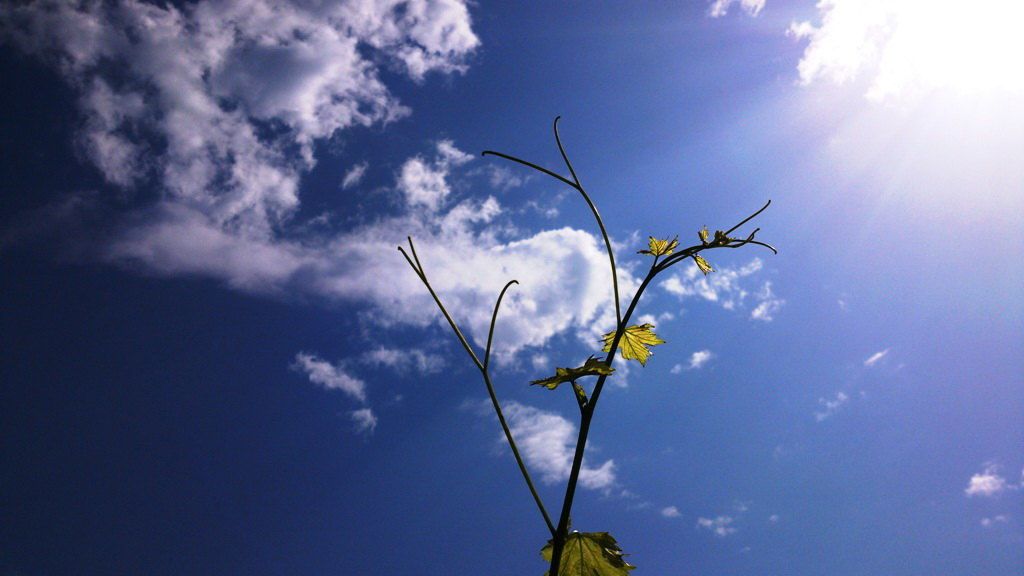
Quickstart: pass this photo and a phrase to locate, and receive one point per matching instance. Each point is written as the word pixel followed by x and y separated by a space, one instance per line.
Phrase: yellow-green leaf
pixel 589 554
pixel 721 238
pixel 703 234
pixel 634 342
pixel 703 264
pixel 658 247
pixel 592 367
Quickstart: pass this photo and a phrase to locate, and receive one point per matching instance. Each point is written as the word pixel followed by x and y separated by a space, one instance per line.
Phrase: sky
pixel 215 361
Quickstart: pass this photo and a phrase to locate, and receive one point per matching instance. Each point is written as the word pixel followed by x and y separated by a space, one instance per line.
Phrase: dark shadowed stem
pixel 597 216
pixel 588 413
pixel 575 184
pixel 417 267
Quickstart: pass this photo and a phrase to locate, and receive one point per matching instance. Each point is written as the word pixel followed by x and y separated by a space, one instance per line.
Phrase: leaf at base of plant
pixel 589 554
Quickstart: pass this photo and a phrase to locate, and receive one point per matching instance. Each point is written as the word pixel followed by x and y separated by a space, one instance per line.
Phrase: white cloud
pixel 364 419
pixel 547 442
pixel 237 93
pixel 354 175
pixel 205 79
pixel 699 358
pixel 720 8
pixel 670 512
pixel 874 358
pixel 767 306
pixel 724 287
pixel 773 519
pixel 330 376
pixel 908 48
pixel 830 406
pixel 404 360
pixel 720 525
pixel 988 483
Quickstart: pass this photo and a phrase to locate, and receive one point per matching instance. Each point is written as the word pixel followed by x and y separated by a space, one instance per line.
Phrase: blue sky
pixel 215 361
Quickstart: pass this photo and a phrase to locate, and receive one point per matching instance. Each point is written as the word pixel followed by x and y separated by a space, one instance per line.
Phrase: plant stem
pixel 417 267
pixel 581 440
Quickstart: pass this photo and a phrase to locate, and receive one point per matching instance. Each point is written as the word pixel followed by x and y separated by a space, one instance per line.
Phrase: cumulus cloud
pixel 330 376
pixel 670 512
pixel 721 526
pixel 547 442
pixel 364 420
pixel 905 47
pixel 830 406
pixel 699 358
pixel 988 483
pixel 876 357
pixel 720 8
pixel 725 287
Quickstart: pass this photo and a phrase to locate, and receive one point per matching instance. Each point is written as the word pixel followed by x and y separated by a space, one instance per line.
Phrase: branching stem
pixel 417 267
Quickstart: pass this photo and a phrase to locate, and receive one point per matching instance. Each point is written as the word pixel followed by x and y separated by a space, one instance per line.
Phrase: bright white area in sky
pixel 911 47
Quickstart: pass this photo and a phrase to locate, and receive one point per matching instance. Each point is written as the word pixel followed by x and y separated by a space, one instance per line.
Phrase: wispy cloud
pixel 330 376
pixel 830 406
pixel 404 360
pixel 721 526
pixel 364 419
pixel 670 512
pixel 998 519
pixel 725 287
pixel 720 8
pixel 876 357
pixel 354 175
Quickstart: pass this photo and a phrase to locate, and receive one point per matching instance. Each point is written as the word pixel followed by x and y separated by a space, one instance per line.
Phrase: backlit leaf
pixel 721 238
pixel 592 367
pixel 703 234
pixel 658 247
pixel 703 264
pixel 589 554
pixel 634 342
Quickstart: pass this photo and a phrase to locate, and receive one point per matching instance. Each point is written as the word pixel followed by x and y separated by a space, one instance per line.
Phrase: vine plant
pixel 589 553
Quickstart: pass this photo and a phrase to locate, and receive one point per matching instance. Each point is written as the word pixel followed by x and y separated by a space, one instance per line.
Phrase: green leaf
pixel 592 367
pixel 634 342
pixel 660 247
pixel 703 235
pixel 703 264
pixel 589 554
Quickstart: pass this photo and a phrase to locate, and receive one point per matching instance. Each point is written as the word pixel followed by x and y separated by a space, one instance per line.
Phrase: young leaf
pixel 590 554
pixel 703 235
pixel 703 264
pixel 634 342
pixel 660 247
pixel 592 367
pixel 721 238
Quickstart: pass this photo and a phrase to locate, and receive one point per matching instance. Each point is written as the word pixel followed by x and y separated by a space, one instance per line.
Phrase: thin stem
pixel 494 319
pixel 417 267
pixel 597 216
pixel 529 164
pixel 423 276
pixel 515 452
pixel 749 218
